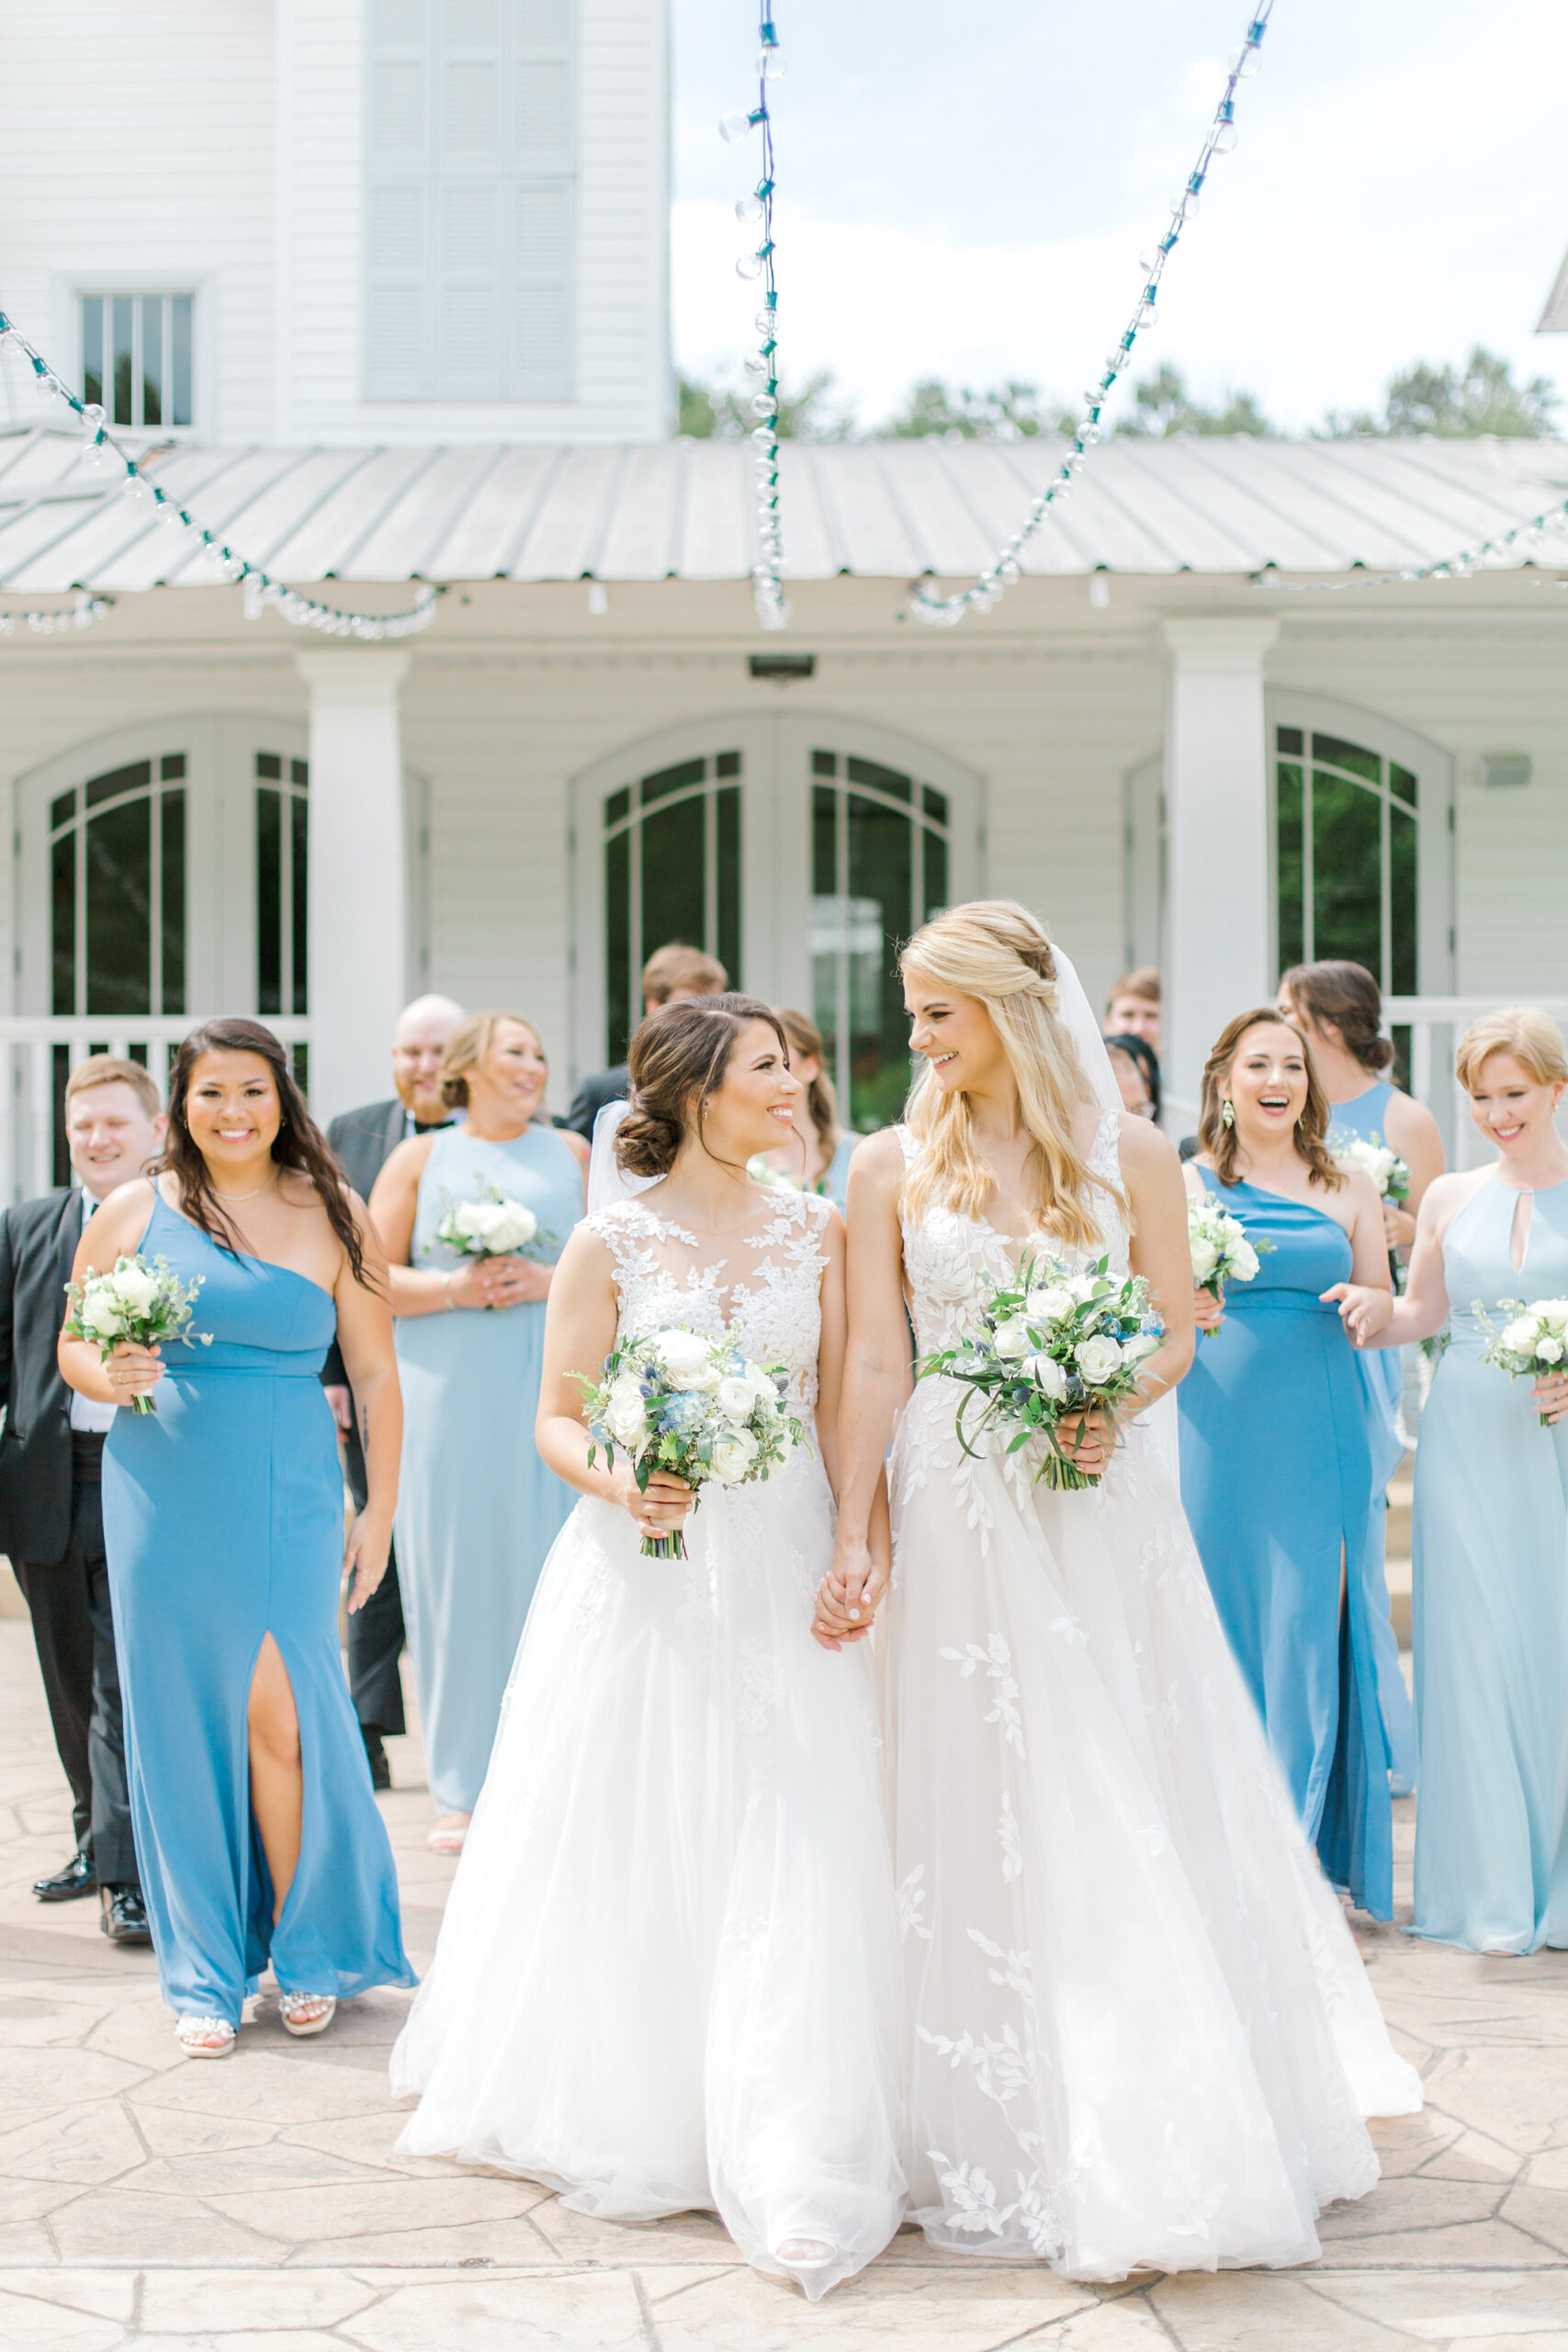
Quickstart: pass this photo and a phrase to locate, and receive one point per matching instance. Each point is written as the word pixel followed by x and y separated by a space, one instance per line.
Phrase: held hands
pixel 1208 1310
pixel 662 1510
pixel 499 1281
pixel 850 1595
pixel 132 1371
pixel 1364 1313
pixel 365 1556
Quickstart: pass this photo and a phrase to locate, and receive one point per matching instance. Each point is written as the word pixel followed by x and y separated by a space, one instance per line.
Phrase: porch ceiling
pixel 684 509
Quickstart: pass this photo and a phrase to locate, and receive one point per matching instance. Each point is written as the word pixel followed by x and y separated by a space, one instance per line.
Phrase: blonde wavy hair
pixel 1523 1030
pixel 995 950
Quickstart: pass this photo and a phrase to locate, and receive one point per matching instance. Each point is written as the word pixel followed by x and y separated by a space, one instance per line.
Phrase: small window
pixel 136 358
pixel 283 853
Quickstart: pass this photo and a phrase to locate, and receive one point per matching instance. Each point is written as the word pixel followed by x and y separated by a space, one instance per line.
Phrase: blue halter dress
pixel 223 1522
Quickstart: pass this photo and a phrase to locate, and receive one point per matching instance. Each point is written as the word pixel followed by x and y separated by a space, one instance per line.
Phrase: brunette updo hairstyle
pixel 1343 997
pixel 677 1058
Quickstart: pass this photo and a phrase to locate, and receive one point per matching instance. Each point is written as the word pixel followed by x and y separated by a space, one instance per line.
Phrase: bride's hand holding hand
pixel 849 1595
pixel 1363 1312
pixel 663 1509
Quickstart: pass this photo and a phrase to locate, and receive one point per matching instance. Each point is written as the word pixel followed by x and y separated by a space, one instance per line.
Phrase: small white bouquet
pixel 696 1408
pixel 1389 1173
pixel 1221 1250
pixel 1534 1343
pixel 141 1303
pixel 1050 1343
pixel 493 1225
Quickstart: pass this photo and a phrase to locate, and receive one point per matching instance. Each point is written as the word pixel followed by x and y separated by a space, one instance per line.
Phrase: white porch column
pixel 1219 872
pixel 358 927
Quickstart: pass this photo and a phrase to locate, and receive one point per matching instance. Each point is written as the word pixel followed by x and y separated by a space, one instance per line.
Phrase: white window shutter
pixel 470 162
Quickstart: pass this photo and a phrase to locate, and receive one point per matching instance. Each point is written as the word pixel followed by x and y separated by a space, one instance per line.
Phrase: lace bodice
pixel 764 1292
pixel 951 1260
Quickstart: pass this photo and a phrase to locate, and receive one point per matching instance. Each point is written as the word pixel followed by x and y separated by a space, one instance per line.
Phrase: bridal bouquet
pixel 1050 1343
pixel 145 1304
pixel 1221 1250
pixel 1388 1172
pixel 493 1225
pixel 697 1407
pixel 1536 1341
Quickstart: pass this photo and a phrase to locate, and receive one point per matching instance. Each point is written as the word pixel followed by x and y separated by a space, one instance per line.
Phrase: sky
pixel 963 191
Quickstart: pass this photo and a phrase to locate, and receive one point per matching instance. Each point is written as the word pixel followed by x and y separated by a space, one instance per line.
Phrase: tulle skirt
pixel 1138 2029
pixel 668 1974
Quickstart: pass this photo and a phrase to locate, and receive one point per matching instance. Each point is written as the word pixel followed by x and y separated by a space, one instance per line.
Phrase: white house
pixel 379 286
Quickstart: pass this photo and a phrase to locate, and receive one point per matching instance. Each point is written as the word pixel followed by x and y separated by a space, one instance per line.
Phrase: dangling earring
pixel 1227 1112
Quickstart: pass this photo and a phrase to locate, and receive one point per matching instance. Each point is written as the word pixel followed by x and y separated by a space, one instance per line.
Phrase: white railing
pixel 1436 1024
pixel 27 1077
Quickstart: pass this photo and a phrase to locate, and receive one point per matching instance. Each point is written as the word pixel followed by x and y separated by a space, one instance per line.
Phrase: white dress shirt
pixel 86 1413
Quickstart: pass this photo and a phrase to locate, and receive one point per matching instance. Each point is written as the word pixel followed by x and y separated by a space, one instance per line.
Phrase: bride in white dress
pixel 668 1975
pixel 1137 2032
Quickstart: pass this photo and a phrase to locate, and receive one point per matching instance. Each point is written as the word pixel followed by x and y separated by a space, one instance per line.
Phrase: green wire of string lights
pixel 1004 570
pixel 303 612
pixel 762 366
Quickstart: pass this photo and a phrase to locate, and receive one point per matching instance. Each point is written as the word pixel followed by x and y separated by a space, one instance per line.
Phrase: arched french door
pixel 798 849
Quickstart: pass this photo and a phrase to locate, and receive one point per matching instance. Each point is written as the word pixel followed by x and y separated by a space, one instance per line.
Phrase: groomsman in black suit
pixel 363 1141
pixel 51 1521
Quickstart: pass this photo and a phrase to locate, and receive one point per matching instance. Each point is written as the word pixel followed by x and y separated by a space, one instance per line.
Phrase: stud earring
pixel 1227 1112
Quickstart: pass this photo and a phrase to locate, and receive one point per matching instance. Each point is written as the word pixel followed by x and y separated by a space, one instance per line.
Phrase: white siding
pixel 138 155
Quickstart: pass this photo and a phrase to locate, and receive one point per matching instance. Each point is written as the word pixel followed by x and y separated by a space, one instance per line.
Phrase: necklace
pixel 245 1196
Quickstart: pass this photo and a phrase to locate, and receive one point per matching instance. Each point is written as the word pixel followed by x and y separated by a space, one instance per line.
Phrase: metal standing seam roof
pixel 684 510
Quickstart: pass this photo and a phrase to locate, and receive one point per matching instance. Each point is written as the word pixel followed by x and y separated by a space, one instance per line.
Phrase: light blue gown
pixel 477 1508
pixel 1382 1370
pixel 223 1522
pixel 1490 1614
pixel 1276 1481
pixel 833 1183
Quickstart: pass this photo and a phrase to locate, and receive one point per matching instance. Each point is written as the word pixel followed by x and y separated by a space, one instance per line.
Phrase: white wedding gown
pixel 1138 2029
pixel 668 1975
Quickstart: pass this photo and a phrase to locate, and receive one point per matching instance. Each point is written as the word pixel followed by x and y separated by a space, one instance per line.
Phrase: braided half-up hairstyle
pixel 298 1143
pixel 995 950
pixel 677 1058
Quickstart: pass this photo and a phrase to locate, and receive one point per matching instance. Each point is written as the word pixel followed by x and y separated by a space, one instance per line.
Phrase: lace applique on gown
pixel 668 1971
pixel 1141 2032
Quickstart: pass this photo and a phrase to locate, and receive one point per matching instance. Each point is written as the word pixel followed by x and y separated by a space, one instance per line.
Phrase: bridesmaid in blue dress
pixel 1491 1618
pixel 477 1511
pixel 1276 1460
pixel 256 1829
pixel 1340 1006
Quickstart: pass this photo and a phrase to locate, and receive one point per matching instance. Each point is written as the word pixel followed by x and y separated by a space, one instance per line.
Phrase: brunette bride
pixel 668 1973
pixel 1137 2027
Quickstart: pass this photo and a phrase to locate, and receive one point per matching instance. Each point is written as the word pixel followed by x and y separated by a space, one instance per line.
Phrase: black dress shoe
pixel 380 1770
pixel 124 1915
pixel 77 1878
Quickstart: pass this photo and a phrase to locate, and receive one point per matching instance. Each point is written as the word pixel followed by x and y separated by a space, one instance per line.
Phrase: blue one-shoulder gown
pixel 477 1508
pixel 223 1522
pixel 1491 1607
pixel 1382 1372
pixel 1277 1482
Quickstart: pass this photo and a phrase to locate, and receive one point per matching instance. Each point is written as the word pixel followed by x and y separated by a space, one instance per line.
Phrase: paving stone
pixel 519 2314
pixel 1237 2311
pixel 130 2226
pixel 1542 2211
pixel 1416 2202
pixel 284 2086
pixel 1454 2307
pixel 514 2244
pixel 1473 2156
pixel 85 2144
pixel 285 2340
pixel 971 2310
pixel 175 2301
pixel 29 2324
pixel 684 2237
pixel 1506 2092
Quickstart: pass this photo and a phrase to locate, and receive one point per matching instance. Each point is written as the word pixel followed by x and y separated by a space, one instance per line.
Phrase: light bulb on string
pixel 749 209
pixel 748 265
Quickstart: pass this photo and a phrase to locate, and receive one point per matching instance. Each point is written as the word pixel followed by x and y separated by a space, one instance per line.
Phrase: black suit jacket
pixel 610 1086
pixel 361 1142
pixel 37 1246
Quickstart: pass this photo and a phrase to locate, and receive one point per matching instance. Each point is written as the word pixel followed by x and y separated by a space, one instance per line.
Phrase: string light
pixel 1526 539
pixel 80 614
pixel 761 367
pixel 1004 570
pixel 101 451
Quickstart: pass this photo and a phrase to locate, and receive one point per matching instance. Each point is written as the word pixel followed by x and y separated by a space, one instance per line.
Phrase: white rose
pixel 1049 1305
pixel 737 1399
pixel 1205 1257
pixel 1553 1313
pixel 1047 1376
pixel 1098 1359
pixel 1549 1349
pixel 472 1219
pixel 1137 1349
pixel 1083 1287
pixel 686 1359
pixel 515 1227
pixel 135 1286
pixel 624 1414
pixel 1243 1260
pixel 733 1457
pixel 1012 1342
pixel 763 1384
pixel 101 1311
pixel 1522 1333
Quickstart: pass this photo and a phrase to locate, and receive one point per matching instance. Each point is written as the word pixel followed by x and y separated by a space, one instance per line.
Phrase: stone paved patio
pixel 258 2205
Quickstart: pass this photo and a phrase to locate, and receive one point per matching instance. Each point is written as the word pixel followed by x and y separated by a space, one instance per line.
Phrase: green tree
pixel 809 411
pixel 1162 405
pixel 1456 404
pixel 1010 412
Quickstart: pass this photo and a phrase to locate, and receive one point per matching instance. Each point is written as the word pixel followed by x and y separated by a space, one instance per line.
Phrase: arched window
pixel 671 865
pixel 117 867
pixel 1347 822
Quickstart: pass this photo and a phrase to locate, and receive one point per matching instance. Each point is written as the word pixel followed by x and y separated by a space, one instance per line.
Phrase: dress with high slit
pixel 223 1523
